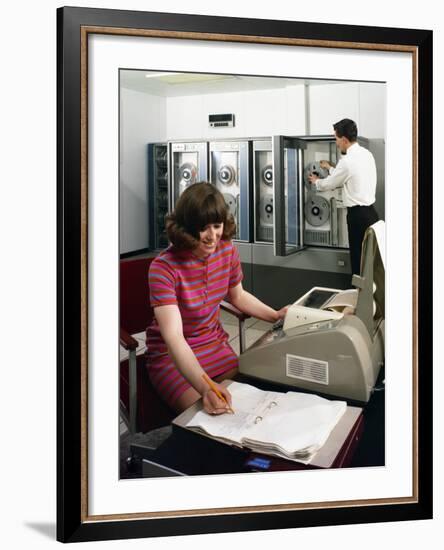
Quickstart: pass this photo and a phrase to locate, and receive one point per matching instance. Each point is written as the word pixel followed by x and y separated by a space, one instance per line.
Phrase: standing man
pixel 356 174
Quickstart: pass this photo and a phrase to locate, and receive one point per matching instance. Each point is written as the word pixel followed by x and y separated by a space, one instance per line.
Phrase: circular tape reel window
pixel 226 175
pixel 317 211
pixel 188 173
pixel 266 210
pixel 267 175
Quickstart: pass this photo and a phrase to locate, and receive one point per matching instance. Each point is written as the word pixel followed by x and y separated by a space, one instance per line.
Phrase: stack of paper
pixel 291 425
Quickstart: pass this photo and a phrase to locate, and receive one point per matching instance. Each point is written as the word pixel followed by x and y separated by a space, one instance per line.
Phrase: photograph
pixel 227 220
pixel 177 133
pixel 242 261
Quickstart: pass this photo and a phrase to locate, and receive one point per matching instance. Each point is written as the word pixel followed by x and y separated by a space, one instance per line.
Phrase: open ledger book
pixel 290 425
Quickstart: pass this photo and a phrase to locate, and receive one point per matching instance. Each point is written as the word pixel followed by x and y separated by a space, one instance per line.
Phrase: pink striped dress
pixel 196 286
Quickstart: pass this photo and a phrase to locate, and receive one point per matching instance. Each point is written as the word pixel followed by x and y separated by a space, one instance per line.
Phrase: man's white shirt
pixel 356 173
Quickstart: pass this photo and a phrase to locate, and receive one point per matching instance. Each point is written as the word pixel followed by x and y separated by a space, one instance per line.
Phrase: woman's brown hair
pixel 199 205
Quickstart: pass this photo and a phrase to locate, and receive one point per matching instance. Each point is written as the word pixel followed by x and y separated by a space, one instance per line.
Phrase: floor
pixel 254 329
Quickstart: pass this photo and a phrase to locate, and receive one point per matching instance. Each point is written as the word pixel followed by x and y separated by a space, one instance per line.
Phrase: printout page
pixel 247 402
pixel 298 421
pixel 346 298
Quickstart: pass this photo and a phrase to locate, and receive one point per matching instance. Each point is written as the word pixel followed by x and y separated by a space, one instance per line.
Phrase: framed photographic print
pixel 149 102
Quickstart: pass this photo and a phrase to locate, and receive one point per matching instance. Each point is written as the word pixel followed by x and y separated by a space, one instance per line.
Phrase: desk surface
pixel 194 454
pixel 325 456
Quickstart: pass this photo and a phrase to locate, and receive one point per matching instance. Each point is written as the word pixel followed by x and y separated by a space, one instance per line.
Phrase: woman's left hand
pixel 281 313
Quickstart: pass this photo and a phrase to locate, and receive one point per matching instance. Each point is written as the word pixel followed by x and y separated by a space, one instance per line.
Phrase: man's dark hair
pixel 346 128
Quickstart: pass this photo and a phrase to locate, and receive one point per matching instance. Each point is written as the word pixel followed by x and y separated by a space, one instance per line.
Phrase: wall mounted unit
pixel 221 121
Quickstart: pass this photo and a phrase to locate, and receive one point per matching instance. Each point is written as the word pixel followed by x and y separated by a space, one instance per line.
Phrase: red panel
pixel 135 315
pixel 135 310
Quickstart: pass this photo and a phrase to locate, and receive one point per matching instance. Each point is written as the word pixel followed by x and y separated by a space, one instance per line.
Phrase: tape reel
pixel 188 173
pixel 317 210
pixel 313 168
pixel 231 203
pixel 266 210
pixel 267 175
pixel 226 175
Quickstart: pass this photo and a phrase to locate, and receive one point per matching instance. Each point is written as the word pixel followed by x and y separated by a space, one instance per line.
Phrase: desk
pixel 194 454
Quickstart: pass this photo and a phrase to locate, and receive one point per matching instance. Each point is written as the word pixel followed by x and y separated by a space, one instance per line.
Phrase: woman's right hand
pixel 212 404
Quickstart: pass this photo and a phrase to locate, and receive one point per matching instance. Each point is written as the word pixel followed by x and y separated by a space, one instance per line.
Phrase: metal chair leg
pixel 132 375
pixel 242 342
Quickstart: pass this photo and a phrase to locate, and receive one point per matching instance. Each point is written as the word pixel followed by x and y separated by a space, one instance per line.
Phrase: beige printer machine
pixel 331 341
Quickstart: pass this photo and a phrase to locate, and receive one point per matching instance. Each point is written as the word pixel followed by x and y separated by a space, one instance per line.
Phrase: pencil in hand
pixel 213 387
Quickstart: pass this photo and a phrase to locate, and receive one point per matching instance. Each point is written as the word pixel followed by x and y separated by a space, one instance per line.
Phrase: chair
pixel 140 404
pixel 142 407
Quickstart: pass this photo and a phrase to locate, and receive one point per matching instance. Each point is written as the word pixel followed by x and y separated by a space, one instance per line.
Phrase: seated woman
pixel 187 282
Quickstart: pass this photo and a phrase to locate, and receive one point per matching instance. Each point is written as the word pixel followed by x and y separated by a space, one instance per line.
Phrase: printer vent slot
pixel 304 368
pixel 317 237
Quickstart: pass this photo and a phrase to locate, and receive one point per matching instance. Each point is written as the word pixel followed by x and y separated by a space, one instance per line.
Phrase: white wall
pixel 280 111
pixel 372 110
pixel 362 102
pixel 142 121
pixel 257 114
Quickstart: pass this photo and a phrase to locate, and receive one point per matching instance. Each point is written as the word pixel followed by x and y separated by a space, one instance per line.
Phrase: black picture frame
pixel 73 25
